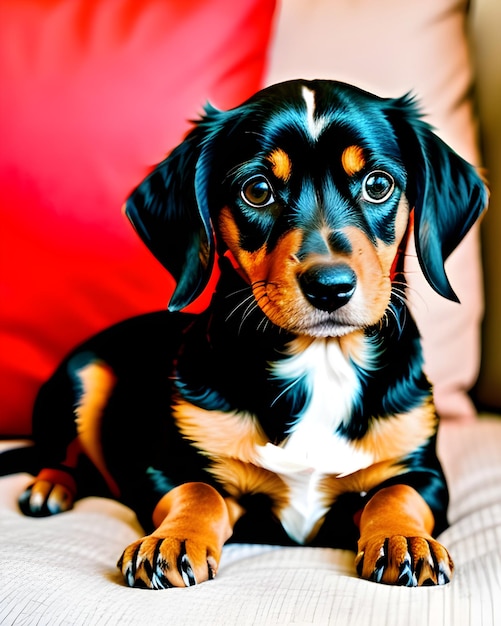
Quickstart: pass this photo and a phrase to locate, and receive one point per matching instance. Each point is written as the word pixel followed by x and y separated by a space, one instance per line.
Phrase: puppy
pixel 294 410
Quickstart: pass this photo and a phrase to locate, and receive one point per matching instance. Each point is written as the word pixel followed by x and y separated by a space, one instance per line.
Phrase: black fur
pixel 220 360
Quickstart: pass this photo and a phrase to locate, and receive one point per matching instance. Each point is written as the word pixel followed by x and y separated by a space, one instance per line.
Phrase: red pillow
pixel 93 95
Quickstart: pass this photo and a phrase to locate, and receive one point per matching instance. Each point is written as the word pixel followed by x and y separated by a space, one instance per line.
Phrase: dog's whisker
pixel 399 315
pixel 253 303
pixel 263 323
pixel 400 295
pixel 256 133
pixel 247 314
pixel 411 293
pixel 242 302
pixel 246 302
pixel 285 390
pixel 390 312
pixel 237 292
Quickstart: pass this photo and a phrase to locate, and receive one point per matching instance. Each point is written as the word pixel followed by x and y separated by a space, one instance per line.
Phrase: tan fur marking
pixel 353 346
pixel 398 509
pixel 273 277
pixel 241 478
pixel 97 381
pixel 374 283
pixel 388 439
pixel 353 160
pixel 229 230
pixel 231 434
pixel 252 264
pixel 396 436
pixel 272 267
pixel 231 441
pixel 191 499
pixel 256 264
pixel 271 274
pixel 280 164
pixel 359 482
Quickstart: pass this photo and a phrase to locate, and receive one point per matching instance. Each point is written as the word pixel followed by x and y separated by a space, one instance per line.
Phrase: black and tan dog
pixel 294 410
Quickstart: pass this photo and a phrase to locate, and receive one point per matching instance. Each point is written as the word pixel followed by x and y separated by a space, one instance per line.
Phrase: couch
pixel 93 94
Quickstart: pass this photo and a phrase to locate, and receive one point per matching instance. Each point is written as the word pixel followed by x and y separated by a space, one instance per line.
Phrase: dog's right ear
pixel 169 210
pixel 447 193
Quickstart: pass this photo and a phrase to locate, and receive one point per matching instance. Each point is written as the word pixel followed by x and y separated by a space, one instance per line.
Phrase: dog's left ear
pixel 447 193
pixel 170 211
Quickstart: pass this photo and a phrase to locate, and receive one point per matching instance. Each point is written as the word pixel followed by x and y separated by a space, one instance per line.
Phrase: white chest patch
pixel 313 449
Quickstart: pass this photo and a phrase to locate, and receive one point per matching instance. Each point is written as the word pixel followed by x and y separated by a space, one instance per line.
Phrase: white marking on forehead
pixel 315 124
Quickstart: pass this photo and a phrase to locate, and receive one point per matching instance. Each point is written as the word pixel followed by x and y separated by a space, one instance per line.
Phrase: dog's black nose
pixel 328 287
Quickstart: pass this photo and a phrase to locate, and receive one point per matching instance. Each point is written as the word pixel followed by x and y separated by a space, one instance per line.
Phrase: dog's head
pixel 309 186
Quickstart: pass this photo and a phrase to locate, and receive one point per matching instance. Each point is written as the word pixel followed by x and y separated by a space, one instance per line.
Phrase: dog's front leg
pixel 193 522
pixel 396 546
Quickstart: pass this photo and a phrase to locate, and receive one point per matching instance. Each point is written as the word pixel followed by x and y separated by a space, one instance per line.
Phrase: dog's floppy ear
pixel 169 210
pixel 447 193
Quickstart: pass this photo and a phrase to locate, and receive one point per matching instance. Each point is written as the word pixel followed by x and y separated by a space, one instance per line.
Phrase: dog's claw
pixel 406 562
pixel 381 564
pixel 156 569
pixel 407 577
pixel 161 563
pixel 359 562
pixel 211 570
pixel 43 499
pixel 184 566
pixel 443 576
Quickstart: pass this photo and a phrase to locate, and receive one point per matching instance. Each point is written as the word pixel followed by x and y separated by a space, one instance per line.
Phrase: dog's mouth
pixel 327 329
pixel 290 309
pixel 324 327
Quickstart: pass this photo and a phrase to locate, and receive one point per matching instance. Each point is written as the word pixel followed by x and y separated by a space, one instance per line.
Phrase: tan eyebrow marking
pixel 353 159
pixel 281 164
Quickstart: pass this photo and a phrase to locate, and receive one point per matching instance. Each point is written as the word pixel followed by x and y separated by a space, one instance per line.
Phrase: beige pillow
pixel 391 47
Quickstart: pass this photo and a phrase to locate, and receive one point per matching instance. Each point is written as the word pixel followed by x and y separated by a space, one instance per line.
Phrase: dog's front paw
pixel 405 561
pixel 52 492
pixel 162 562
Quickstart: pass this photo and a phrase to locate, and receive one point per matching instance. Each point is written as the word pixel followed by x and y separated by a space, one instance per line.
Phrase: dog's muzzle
pixel 328 287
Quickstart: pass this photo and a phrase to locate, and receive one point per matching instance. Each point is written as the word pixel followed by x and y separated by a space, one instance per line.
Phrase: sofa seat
pixel 61 570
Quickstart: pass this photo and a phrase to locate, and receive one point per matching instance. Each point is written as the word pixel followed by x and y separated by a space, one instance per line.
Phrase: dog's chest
pixel 332 389
pixel 311 450
pixel 314 449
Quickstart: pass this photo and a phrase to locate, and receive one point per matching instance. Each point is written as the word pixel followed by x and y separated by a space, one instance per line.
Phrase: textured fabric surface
pixel 391 48
pixel 61 570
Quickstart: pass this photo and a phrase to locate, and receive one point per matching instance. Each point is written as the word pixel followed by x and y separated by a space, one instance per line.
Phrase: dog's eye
pixel 257 192
pixel 377 186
